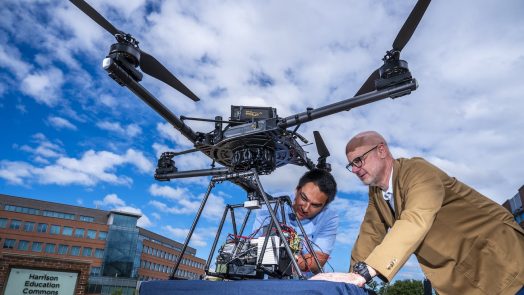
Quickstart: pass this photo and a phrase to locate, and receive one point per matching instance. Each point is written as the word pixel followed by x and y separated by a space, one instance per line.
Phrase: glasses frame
pixel 360 159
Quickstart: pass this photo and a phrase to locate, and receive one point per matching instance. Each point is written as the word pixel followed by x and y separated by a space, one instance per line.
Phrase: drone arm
pixel 349 103
pixel 123 78
pixel 191 173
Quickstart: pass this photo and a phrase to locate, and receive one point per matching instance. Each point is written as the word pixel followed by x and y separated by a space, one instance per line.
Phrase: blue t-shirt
pixel 321 229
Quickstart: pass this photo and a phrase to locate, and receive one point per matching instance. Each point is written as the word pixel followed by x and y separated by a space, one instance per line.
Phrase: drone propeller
pixel 401 40
pixel 323 152
pixel 148 63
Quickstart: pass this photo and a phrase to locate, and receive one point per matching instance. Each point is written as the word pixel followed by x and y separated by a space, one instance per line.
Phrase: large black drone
pixel 255 140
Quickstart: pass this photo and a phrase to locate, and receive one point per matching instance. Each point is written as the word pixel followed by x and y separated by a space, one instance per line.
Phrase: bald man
pixel 465 243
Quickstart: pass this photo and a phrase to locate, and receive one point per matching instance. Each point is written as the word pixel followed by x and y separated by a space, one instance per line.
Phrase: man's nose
pixel 305 208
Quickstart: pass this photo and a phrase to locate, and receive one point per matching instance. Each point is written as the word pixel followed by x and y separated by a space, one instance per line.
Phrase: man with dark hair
pixel 315 190
pixel 464 242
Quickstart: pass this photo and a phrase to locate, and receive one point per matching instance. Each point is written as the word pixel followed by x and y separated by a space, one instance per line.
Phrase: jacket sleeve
pixel 422 195
pixel 372 232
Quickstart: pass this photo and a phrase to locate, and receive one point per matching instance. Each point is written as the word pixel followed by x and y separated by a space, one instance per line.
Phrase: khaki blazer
pixel 465 243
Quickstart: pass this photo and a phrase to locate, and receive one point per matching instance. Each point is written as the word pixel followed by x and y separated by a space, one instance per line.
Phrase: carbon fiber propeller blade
pixel 410 25
pixel 323 152
pixel 154 68
pixel 369 85
pixel 97 17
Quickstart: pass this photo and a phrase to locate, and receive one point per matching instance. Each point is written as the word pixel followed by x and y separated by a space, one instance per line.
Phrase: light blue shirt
pixel 321 229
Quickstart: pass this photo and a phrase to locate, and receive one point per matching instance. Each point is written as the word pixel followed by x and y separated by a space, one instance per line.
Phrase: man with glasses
pixel 315 190
pixel 465 243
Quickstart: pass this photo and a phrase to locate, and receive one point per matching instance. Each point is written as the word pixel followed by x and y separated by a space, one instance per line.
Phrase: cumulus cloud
pixel 44 86
pixel 114 203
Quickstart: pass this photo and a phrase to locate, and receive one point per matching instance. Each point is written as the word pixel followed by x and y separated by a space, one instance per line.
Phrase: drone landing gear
pixel 251 267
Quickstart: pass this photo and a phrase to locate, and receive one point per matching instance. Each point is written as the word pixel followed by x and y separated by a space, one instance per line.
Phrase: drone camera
pixel 165 165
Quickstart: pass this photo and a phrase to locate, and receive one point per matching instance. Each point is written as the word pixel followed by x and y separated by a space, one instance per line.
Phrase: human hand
pixel 348 278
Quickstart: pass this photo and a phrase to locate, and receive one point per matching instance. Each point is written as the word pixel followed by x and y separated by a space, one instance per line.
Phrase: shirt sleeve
pixel 326 234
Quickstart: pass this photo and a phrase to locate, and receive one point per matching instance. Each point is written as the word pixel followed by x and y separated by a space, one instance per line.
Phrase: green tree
pixel 406 287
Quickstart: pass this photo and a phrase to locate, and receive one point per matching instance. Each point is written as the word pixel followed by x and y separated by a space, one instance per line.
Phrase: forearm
pixel 306 262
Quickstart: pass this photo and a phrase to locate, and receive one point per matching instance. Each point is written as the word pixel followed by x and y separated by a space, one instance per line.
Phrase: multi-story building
pixel 120 253
pixel 514 205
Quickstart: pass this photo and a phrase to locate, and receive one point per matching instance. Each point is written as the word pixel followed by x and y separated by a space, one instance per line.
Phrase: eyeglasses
pixel 359 161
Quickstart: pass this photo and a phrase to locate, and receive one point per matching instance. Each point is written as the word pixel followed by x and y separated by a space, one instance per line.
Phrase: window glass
pixel 99 253
pixel 50 248
pixel 87 218
pixel 15 224
pixel 91 234
pixel 75 250
pixel 67 231
pixel 29 226
pixel 3 222
pixel 79 232
pixel 87 251
pixel 55 229
pixel 41 228
pixel 36 247
pixel 9 243
pixel 102 235
pixel 23 245
pixel 62 249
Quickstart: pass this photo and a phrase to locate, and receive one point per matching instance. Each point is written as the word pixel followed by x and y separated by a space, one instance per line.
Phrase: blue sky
pixel 70 134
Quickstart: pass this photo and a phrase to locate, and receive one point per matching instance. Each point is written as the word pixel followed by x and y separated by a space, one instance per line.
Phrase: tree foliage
pixel 405 287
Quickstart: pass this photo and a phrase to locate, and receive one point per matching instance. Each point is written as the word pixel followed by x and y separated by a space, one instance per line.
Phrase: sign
pixel 24 281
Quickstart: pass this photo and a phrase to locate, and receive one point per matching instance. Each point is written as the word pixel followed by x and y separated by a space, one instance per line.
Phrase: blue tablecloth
pixel 249 287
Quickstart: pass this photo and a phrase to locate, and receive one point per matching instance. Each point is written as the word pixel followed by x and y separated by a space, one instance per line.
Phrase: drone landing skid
pixel 256 270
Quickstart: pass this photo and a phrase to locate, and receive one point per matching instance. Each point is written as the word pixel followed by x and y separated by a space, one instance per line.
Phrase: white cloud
pixel 130 130
pixel 61 123
pixel 114 203
pixel 44 86
pixel 199 238
pixel 185 202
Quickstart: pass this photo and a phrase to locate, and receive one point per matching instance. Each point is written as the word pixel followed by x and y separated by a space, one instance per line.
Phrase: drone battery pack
pixel 245 113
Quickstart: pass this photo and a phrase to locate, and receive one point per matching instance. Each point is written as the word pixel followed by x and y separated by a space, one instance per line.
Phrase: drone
pixel 254 140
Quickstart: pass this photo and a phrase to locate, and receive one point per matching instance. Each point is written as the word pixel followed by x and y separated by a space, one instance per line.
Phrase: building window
pixel 36 247
pixel 9 243
pixel 102 235
pixel 95 271
pixel 87 218
pixel 62 249
pixel 79 232
pixel 59 215
pixel 3 222
pixel 41 228
pixel 87 251
pixel 75 250
pixel 21 209
pixel 23 245
pixel 55 229
pixel 99 253
pixel 91 234
pixel 29 226
pixel 67 231
pixel 15 224
pixel 50 248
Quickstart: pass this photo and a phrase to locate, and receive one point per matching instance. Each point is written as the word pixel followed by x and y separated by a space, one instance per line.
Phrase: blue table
pixel 249 287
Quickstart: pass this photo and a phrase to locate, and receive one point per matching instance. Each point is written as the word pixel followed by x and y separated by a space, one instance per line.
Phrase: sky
pixel 70 134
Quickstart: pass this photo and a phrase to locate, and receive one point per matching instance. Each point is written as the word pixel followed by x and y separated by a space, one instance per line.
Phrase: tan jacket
pixel 464 242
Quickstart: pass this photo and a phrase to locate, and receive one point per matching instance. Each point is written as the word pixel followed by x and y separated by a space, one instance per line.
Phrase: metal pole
pixel 193 226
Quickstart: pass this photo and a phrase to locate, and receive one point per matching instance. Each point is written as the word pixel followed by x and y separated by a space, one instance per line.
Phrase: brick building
pixel 117 252
pixel 514 205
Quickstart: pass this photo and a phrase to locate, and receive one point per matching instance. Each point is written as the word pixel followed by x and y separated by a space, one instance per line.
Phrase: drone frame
pixel 260 145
